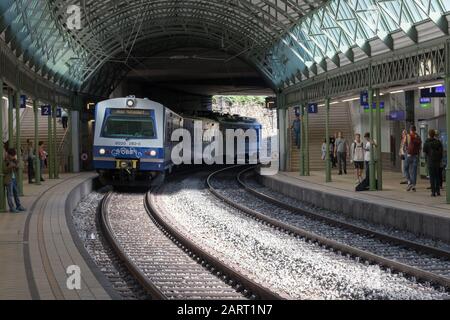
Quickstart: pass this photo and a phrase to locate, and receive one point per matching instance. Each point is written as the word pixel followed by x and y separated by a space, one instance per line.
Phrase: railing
pixel 5 121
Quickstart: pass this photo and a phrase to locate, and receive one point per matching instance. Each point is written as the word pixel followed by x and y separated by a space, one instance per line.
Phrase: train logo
pixel 126 152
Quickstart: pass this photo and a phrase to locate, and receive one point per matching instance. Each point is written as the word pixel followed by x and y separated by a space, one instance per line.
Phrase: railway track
pixel 422 262
pixel 166 263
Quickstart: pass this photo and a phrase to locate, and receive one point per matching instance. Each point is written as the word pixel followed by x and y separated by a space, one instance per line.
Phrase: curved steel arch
pixel 108 24
pixel 69 58
pixel 210 27
pixel 113 72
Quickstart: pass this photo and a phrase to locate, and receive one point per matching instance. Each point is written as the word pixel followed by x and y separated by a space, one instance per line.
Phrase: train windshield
pixel 129 127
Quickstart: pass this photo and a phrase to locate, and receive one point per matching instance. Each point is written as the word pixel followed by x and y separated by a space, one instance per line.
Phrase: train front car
pixel 129 142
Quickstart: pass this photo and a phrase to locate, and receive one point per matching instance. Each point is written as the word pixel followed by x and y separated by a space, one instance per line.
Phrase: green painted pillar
pixel 37 161
pixel 18 144
pixel 373 183
pixel 306 142
pixel 302 153
pixel 49 147
pixel 55 147
pixel 327 132
pixel 69 136
pixel 2 175
pixel 379 164
pixel 447 87
pixel 10 120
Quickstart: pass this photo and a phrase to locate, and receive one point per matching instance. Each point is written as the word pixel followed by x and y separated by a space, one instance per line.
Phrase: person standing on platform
pixel 64 118
pixel 42 157
pixel 414 146
pixel 341 152
pixel 10 170
pixel 402 153
pixel 296 127
pixel 29 157
pixel 367 156
pixel 324 149
pixel 332 148
pixel 357 157
pixel 434 152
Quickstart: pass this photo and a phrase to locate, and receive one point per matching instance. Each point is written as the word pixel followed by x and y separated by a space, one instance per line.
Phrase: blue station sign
pixel 46 110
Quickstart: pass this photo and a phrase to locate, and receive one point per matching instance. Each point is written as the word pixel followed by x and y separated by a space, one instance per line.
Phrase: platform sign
pixel 434 92
pixel 397 116
pixel 374 106
pixel 364 98
pixel 271 103
pixel 313 108
pixel 23 101
pixel 46 111
pixel 425 103
pixel 59 112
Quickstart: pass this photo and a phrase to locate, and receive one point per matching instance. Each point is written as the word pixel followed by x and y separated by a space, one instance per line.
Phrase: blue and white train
pixel 132 141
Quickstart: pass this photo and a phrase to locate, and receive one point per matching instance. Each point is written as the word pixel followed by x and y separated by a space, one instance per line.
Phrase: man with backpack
pixel 434 152
pixel 414 147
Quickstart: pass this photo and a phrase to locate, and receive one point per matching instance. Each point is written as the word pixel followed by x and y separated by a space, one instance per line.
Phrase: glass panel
pixel 127 127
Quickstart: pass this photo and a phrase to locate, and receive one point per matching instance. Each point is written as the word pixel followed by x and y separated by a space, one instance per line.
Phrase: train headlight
pixel 102 152
pixel 131 103
pixel 153 153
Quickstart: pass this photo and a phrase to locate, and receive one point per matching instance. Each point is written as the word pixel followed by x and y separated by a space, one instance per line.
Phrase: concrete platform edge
pixel 73 199
pixel 419 223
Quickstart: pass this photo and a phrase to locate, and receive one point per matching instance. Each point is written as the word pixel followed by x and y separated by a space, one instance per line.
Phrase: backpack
pixel 414 145
pixel 361 146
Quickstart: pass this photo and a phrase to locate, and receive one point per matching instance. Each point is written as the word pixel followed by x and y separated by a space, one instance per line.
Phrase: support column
pixel 379 164
pixel 10 119
pixel 372 175
pixel 306 142
pixel 18 146
pixel 302 136
pixel 49 147
pixel 37 160
pixel 69 136
pixel 75 132
pixel 282 132
pixel 327 132
pixel 447 88
pixel 2 175
pixel 55 147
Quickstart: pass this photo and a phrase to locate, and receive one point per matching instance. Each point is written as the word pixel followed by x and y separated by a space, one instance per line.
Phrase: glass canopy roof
pixel 279 37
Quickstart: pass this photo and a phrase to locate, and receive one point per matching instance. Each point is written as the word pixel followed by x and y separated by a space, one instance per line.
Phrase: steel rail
pixel 258 290
pixel 439 253
pixel 134 270
pixel 327 243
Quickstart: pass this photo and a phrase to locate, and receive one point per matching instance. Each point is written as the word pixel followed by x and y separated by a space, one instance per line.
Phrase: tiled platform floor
pixel 36 247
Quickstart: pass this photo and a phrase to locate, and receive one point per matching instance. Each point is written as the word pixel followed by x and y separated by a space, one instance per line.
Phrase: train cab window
pixel 127 127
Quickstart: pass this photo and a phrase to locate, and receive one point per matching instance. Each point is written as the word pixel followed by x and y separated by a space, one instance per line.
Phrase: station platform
pixel 416 212
pixel 38 246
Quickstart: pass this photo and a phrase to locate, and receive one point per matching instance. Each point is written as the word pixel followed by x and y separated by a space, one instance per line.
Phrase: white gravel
pixel 287 264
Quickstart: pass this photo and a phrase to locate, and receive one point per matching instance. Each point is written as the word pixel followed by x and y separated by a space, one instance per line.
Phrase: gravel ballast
pixel 288 265
pixel 85 222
